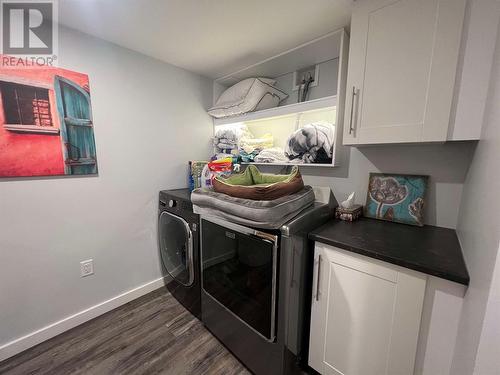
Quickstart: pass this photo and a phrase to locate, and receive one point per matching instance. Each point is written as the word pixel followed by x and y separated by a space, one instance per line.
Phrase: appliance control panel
pixel 173 204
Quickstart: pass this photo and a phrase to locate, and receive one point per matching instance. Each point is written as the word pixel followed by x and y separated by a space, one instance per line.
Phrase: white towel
pixel 271 155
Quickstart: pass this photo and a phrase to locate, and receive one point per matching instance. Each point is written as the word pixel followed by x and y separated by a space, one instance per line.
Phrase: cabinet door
pixel 402 66
pixel 365 315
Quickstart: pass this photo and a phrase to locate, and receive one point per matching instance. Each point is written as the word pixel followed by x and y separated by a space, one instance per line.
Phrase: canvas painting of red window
pixel 46 126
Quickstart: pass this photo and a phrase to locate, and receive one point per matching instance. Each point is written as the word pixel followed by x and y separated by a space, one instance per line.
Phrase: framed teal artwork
pixel 396 197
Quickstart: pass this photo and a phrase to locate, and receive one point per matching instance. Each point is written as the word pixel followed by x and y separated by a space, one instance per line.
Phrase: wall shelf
pixel 292 164
pixel 316 51
pixel 326 102
pixel 276 128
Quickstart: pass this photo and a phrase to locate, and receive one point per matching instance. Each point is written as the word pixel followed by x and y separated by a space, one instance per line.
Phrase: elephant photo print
pixel 46 126
pixel 398 198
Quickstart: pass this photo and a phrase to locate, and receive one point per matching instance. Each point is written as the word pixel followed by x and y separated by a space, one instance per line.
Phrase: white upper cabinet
pixel 402 67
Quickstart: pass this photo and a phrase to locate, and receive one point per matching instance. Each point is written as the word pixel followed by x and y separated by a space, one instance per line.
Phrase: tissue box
pixel 349 214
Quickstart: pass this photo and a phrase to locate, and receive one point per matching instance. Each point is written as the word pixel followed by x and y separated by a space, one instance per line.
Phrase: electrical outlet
pixel 86 267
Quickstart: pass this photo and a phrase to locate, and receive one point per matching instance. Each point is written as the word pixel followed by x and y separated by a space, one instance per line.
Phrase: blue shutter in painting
pixel 77 130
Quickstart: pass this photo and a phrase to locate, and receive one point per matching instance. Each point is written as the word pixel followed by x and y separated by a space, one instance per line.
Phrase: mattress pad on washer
pixel 270 214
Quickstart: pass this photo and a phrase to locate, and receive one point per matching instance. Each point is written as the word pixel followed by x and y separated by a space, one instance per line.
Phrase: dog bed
pixel 252 184
pixel 270 214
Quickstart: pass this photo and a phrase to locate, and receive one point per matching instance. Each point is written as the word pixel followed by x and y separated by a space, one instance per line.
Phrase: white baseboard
pixel 22 343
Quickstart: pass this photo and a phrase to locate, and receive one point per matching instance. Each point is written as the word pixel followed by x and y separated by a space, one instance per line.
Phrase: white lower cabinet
pixel 365 316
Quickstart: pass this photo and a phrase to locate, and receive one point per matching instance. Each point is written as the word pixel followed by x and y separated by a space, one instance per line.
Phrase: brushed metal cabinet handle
pixel 318 278
pixel 351 129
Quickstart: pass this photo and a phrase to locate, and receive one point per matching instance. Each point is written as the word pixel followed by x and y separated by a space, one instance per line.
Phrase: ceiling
pixel 209 37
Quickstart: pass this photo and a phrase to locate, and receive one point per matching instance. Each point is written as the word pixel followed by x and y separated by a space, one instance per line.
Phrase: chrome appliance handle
pixel 351 129
pixel 242 229
pixel 318 278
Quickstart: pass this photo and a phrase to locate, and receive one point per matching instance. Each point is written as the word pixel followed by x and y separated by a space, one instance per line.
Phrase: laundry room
pixel 249 187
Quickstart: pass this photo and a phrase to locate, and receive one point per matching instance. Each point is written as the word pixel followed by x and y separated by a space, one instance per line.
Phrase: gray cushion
pixel 259 214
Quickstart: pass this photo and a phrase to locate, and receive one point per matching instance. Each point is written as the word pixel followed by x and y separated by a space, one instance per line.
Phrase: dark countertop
pixel 428 249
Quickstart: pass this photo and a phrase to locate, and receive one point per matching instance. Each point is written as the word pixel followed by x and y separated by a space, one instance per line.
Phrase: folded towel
pixel 227 138
pixel 249 144
pixel 271 155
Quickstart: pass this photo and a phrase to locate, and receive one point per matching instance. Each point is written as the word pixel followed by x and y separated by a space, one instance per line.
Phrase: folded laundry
pixel 225 144
pixel 311 144
pixel 271 155
pixel 227 138
pixel 249 144
pixel 247 157
pixel 226 133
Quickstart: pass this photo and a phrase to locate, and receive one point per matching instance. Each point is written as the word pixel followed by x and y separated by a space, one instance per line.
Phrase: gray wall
pixel 479 233
pixel 446 164
pixel 327 83
pixel 487 358
pixel 149 120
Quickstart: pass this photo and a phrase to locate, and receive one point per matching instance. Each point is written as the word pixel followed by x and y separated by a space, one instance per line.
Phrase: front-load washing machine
pixel 178 243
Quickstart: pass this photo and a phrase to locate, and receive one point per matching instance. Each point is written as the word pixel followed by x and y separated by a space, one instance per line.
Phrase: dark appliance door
pixel 239 268
pixel 176 247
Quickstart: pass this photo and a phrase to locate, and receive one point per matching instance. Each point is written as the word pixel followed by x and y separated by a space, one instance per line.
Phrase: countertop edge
pixel 399 262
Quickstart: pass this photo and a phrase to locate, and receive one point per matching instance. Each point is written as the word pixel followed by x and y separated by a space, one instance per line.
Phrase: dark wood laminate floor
pixel 150 335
